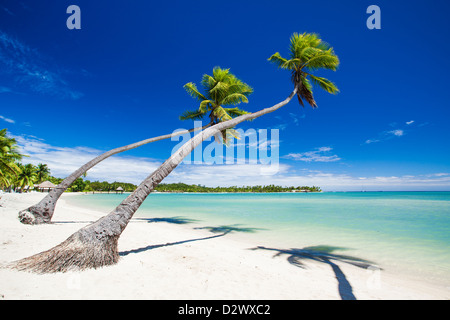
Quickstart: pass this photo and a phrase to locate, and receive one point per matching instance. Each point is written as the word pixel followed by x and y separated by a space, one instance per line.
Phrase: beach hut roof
pixel 47 184
pixel 119 189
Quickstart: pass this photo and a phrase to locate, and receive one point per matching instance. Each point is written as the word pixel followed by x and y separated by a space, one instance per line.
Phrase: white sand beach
pixel 168 261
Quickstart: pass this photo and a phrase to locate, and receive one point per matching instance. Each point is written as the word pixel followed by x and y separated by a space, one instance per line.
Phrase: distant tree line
pixel 15 176
pixel 182 187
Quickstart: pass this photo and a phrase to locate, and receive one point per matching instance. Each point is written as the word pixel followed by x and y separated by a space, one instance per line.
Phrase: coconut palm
pixel 95 245
pixel 27 176
pixel 308 53
pixel 42 172
pixel 222 89
pixel 8 156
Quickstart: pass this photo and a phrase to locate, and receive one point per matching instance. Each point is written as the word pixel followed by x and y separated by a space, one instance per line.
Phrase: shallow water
pixel 400 231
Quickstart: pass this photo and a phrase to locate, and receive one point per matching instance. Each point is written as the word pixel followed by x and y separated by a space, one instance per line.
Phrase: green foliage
pixel 104 186
pixel 17 176
pixel 42 172
pixel 26 176
pixel 220 90
pixel 9 155
pixel 308 53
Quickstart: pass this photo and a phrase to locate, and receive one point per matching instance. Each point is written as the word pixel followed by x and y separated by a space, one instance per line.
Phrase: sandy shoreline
pixel 168 261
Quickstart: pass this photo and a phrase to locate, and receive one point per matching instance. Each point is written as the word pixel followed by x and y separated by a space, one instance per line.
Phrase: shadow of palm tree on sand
pixel 174 220
pixel 222 230
pixel 230 228
pixel 324 254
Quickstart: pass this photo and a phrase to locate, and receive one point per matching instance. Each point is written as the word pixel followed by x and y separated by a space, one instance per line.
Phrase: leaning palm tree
pixel 95 245
pixel 221 89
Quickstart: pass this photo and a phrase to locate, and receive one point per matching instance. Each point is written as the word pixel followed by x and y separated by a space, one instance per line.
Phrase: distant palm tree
pixel 95 245
pixel 42 172
pixel 27 176
pixel 9 154
pixel 220 90
pixel 308 53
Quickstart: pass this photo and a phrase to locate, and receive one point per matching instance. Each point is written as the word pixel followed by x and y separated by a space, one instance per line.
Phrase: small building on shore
pixel 45 186
pixel 119 189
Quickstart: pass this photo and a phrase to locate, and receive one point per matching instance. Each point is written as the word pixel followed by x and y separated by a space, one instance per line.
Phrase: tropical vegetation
pixel 9 156
pixel 15 176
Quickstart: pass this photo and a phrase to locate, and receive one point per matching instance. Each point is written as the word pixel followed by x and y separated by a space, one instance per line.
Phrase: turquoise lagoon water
pixel 400 231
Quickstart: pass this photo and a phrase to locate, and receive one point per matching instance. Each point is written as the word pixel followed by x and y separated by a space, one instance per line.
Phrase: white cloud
pixel 397 132
pixel 369 141
pixel 387 135
pixel 319 155
pixel 63 161
pixel 7 119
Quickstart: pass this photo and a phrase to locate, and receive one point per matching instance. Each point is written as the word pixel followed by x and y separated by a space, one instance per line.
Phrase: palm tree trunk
pixel 42 212
pixel 96 244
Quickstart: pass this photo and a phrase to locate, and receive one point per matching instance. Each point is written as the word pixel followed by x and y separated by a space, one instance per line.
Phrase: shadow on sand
pixel 223 230
pixel 174 220
pixel 230 228
pixel 324 254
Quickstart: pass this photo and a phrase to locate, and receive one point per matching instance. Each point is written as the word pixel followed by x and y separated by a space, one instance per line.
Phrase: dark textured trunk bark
pixel 42 212
pixel 96 245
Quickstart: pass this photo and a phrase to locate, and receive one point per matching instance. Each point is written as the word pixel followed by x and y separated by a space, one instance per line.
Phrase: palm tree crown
pixel 26 176
pixel 42 172
pixel 8 156
pixel 308 53
pixel 222 89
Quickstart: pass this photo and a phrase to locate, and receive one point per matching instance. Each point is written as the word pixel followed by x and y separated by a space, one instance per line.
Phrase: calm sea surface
pixel 400 231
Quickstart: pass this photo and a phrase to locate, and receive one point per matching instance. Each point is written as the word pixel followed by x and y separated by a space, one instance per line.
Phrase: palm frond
pixel 221 114
pixel 278 60
pixel 234 99
pixel 322 60
pixel 220 74
pixel 233 133
pixel 325 84
pixel 192 115
pixel 205 106
pixel 235 112
pixel 305 92
pixel 191 88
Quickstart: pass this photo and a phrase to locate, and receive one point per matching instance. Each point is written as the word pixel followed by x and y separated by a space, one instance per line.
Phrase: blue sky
pixel 67 95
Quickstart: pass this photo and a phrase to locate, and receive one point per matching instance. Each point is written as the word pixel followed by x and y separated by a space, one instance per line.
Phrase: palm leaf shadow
pixel 174 220
pixel 230 228
pixel 324 254
pixel 221 231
